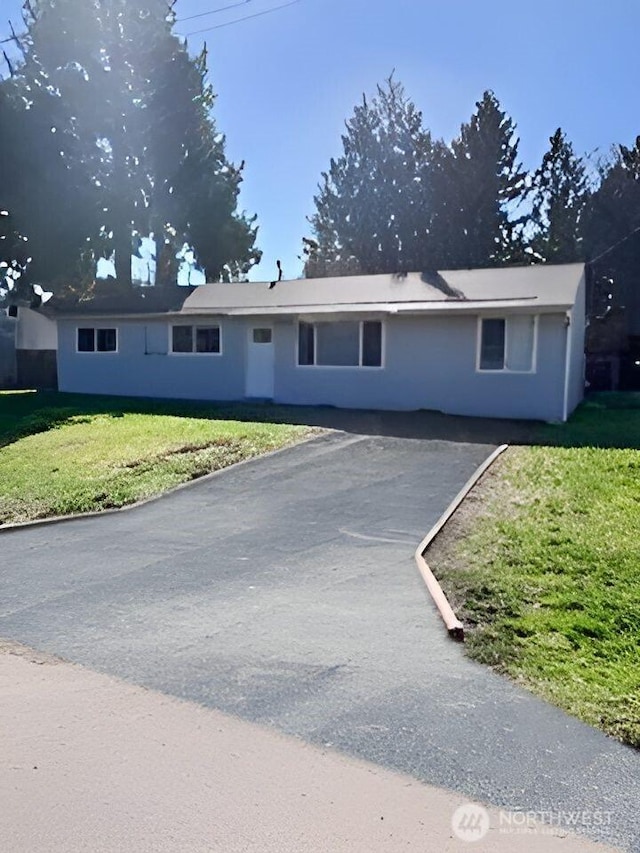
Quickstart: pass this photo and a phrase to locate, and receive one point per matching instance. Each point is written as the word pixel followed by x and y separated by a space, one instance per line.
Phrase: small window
pixel 97 340
pixel 371 344
pixel 305 343
pixel 86 340
pixel 106 340
pixel 492 346
pixel 342 344
pixel 208 339
pixel 507 343
pixel 182 339
pixel 520 334
pixel 262 336
pixel 198 339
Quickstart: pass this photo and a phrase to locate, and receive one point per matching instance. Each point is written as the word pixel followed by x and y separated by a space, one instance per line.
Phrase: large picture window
pixel 507 343
pixel 90 339
pixel 340 344
pixel 198 339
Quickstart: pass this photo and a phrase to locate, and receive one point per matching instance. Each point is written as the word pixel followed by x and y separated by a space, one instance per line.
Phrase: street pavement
pixel 284 591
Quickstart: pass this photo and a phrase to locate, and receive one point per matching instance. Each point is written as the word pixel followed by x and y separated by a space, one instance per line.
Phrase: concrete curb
pixel 79 516
pixel 453 624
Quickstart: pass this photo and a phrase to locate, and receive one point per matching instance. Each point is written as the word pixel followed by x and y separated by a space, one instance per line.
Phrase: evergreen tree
pixel 397 200
pixel 613 211
pixel 559 193
pixel 373 209
pixel 134 147
pixel 631 159
pixel 612 231
pixel 485 184
pixel 38 177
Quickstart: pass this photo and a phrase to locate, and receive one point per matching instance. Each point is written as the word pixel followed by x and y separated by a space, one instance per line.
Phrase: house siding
pixel 577 357
pixel 428 363
pixel 142 366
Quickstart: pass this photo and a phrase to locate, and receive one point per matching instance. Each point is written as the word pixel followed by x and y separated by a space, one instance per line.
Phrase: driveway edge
pixel 453 624
pixel 96 513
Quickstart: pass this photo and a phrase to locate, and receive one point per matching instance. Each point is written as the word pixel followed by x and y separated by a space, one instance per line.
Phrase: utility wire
pixel 239 20
pixel 614 246
pixel 213 11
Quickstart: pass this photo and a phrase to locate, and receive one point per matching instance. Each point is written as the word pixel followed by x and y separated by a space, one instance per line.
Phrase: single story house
pixel 505 342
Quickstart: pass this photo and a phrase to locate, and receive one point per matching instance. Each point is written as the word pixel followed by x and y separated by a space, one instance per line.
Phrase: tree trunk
pixel 122 220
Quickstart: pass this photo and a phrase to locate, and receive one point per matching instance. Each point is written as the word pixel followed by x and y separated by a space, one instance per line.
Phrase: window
pixel 262 336
pixel 492 347
pixel 343 344
pixel 97 340
pixel 198 339
pixel 507 343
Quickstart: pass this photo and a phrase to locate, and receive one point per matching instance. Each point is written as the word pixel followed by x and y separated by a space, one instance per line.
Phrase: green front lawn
pixel 65 453
pixel 542 564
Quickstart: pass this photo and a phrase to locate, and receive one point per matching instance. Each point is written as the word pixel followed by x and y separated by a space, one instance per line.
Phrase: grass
pixel 65 453
pixel 542 561
pixel 603 420
pixel 543 566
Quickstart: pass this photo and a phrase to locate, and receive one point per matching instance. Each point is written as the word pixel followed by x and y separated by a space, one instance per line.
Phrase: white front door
pixel 260 363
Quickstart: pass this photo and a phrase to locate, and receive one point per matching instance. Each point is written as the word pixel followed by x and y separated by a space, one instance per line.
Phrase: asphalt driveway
pixel 284 591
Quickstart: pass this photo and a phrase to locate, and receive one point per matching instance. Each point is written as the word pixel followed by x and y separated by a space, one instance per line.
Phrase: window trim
pixel 194 326
pixel 95 350
pixel 359 366
pixel 505 317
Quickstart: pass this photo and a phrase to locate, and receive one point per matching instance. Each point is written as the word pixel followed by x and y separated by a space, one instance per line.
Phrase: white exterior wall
pixel 34 331
pixel 429 362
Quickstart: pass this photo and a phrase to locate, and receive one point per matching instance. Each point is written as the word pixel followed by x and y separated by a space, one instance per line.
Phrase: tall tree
pixel 485 184
pixel 134 140
pixel 613 211
pixel 558 195
pixel 631 159
pixel 373 207
pixel 398 200
pixel 612 230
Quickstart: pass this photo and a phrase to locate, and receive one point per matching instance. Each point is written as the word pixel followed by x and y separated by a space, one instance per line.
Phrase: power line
pixel 213 11
pixel 614 246
pixel 180 20
pixel 239 20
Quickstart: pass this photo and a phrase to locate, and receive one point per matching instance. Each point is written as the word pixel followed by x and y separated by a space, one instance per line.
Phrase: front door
pixel 260 363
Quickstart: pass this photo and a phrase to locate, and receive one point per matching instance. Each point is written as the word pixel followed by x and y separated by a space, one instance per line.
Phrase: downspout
pixel 567 363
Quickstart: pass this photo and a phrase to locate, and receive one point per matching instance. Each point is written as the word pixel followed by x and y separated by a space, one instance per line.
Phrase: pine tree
pixel 631 159
pixel 558 194
pixel 613 211
pixel 612 231
pixel 373 209
pixel 484 185
pixel 135 142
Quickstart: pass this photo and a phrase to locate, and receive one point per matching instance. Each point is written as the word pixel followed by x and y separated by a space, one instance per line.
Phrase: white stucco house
pixel 505 342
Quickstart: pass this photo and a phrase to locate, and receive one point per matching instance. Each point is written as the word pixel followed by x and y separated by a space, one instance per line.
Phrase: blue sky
pixel 287 81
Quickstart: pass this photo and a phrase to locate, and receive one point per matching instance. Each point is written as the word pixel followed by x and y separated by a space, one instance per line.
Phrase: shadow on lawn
pixel 604 420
